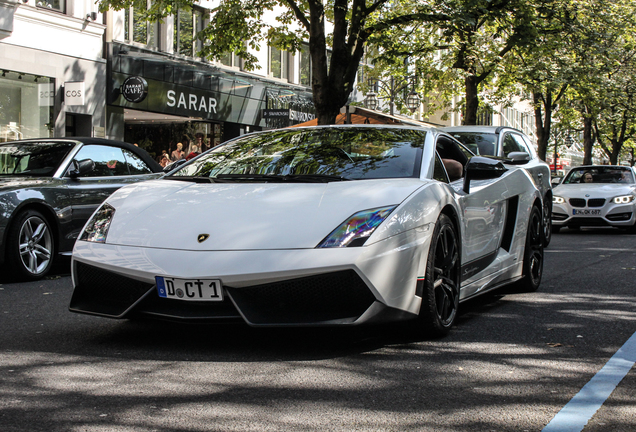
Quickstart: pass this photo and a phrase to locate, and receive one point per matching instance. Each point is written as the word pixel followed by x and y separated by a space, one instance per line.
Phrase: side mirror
pixel 518 158
pixel 482 168
pixel 80 168
pixel 555 181
pixel 174 165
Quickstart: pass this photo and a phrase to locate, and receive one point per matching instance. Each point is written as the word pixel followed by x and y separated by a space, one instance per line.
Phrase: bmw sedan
pixel 50 187
pixel 595 195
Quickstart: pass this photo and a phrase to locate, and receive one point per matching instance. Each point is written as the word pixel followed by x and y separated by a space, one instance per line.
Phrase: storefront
pixel 158 101
pixel 26 105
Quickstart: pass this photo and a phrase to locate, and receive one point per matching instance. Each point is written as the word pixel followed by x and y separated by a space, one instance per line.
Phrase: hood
pixel 244 216
pixel 594 190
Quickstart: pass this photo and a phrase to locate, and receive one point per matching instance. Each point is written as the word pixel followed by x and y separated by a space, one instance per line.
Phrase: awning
pixel 360 115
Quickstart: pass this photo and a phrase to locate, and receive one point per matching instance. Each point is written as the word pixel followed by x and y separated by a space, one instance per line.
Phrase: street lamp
pixel 393 88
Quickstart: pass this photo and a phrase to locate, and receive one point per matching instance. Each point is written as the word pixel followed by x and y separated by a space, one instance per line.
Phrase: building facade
pixel 52 69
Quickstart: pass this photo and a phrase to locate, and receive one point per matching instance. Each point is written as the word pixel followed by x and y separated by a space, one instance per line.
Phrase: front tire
pixel 30 246
pixel 532 254
pixel 440 297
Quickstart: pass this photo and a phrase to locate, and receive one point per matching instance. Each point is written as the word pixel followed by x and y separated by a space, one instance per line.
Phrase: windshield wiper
pixel 192 179
pixel 290 178
pixel 249 177
pixel 316 178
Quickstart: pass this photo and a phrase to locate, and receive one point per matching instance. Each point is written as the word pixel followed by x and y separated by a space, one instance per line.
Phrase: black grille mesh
pixel 577 202
pixel 103 292
pixel 315 299
pixel 596 202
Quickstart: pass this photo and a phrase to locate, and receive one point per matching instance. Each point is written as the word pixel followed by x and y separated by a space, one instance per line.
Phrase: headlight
pixel 558 200
pixel 626 199
pixel 357 229
pixel 96 229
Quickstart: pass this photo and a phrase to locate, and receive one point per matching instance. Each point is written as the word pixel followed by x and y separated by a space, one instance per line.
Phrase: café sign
pixel 134 89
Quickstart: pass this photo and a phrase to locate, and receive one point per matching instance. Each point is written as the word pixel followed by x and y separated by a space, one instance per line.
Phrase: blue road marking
pixel 576 413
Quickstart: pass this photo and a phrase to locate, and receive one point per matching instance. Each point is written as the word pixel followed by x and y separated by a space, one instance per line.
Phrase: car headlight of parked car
pixel 625 199
pixel 357 229
pixel 96 229
pixel 558 200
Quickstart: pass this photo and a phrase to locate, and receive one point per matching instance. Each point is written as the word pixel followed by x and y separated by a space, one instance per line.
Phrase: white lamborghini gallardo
pixel 333 225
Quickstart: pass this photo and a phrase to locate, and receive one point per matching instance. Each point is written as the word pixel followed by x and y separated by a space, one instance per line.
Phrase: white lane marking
pixel 576 413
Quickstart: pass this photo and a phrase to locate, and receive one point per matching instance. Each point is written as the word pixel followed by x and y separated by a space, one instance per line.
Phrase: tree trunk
pixel 472 100
pixel 588 142
pixel 543 121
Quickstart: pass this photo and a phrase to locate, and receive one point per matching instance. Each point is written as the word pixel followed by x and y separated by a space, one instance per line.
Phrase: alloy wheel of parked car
pixel 31 246
pixel 533 254
pixel 440 299
pixel 547 223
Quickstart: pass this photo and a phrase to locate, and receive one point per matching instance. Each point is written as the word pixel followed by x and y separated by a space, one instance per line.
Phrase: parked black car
pixel 49 188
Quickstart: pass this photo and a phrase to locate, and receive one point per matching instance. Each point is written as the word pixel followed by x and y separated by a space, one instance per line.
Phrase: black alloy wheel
pixel 547 222
pixel 440 299
pixel 532 254
pixel 30 246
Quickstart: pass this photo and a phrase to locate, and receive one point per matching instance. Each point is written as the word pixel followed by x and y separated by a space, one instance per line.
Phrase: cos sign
pixel 134 89
pixel 74 93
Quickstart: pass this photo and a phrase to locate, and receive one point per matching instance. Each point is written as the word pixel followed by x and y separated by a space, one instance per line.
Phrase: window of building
pixel 304 65
pixel 188 23
pixel 138 30
pixel 278 63
pixel 231 60
pixel 56 5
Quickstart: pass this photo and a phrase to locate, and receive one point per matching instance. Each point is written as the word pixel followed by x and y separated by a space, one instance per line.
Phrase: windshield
pixel 35 159
pixel 483 144
pixel 322 154
pixel 600 174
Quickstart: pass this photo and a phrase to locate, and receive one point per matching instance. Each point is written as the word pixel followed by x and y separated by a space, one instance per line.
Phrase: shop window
pixel 304 66
pixel 56 5
pixel 26 105
pixel 188 23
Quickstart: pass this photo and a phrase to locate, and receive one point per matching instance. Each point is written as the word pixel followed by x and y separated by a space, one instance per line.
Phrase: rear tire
pixel 547 223
pixel 30 246
pixel 440 299
pixel 532 254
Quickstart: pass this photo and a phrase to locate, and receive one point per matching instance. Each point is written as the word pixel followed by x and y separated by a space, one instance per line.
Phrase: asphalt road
pixel 511 364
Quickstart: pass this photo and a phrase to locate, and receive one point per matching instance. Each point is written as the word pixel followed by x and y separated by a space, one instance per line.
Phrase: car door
pixel 114 167
pixel 483 210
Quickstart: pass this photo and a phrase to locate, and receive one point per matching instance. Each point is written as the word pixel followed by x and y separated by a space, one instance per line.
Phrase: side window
pixel 439 173
pixel 510 145
pixel 521 143
pixel 135 164
pixel 109 161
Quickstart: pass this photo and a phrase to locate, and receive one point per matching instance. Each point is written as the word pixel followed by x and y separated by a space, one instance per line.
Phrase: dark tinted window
pixel 109 161
pixel 36 159
pixel 135 164
pixel 352 153
pixel 484 144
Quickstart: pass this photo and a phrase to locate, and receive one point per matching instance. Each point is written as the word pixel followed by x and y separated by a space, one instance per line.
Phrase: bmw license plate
pixel 189 289
pixel 576 212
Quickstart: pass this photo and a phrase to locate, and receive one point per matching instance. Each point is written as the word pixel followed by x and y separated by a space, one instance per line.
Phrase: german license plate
pixel 189 289
pixel 576 212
